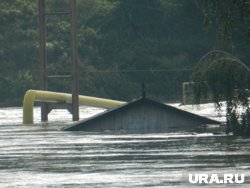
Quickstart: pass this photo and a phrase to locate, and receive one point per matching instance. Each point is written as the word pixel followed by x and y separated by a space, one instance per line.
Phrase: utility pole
pixel 75 98
pixel 42 56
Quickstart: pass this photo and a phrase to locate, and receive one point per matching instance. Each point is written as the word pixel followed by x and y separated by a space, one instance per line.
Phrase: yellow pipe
pixel 37 95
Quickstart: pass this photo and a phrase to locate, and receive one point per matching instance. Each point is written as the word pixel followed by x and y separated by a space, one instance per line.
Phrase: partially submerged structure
pixel 143 115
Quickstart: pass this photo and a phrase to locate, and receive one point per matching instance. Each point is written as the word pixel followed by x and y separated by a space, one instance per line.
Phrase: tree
pixel 17 34
pixel 128 41
pixel 228 16
pixel 226 76
pixel 228 79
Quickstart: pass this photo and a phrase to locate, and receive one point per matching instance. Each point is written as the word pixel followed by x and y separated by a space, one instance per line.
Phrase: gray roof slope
pixel 109 113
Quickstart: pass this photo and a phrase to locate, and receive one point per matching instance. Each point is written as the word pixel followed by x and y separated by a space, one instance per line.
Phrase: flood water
pixel 40 155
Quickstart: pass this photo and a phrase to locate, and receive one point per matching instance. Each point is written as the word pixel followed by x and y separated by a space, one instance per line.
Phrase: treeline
pixel 121 43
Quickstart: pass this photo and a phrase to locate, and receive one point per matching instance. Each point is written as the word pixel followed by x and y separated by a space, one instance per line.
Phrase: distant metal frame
pixel 42 58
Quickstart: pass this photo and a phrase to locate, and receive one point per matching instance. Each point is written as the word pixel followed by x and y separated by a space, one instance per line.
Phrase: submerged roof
pixel 142 115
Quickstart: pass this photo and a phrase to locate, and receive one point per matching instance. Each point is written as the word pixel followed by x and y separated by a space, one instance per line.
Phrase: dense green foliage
pixel 227 79
pixel 222 74
pixel 122 43
pixel 231 17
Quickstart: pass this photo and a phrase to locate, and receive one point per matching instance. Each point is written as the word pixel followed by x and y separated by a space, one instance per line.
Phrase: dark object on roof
pixel 143 115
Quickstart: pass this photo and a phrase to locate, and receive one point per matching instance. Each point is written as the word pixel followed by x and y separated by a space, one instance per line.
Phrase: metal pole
pixel 42 56
pixel 75 98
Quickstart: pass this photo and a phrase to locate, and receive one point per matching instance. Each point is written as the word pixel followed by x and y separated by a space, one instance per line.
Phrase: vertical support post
pixel 75 98
pixel 42 56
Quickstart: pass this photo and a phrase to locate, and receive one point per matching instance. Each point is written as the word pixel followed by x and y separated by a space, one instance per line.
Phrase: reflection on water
pixel 41 156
